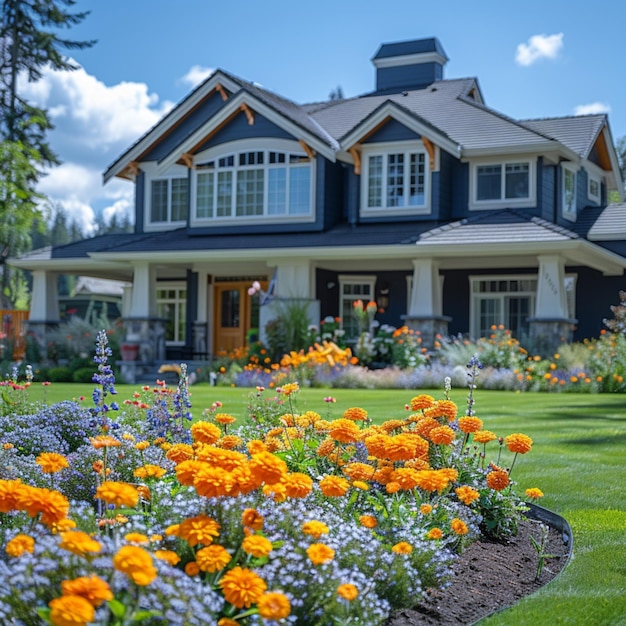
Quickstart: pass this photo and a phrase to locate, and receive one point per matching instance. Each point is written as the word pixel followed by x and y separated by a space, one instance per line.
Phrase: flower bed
pixel 138 516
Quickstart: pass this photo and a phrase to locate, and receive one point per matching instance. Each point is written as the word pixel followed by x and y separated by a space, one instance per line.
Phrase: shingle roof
pixel 417 46
pixel 609 224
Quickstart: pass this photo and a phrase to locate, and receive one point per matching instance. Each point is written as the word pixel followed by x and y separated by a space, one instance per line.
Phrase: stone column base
pixel 430 327
pixel 547 334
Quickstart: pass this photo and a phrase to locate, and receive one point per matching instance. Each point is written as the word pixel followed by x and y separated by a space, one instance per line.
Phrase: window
pixel 351 289
pixel 395 180
pixel 168 200
pixel 568 196
pixel 594 189
pixel 172 307
pixel 497 182
pixel 251 184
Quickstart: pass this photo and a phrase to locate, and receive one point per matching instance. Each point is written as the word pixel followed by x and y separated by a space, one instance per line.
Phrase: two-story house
pixel 449 214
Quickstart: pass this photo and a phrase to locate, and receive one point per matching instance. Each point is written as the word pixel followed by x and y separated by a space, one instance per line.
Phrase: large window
pixel 351 289
pixel 507 182
pixel 168 200
pixel 568 195
pixel 172 307
pixel 251 184
pixel 395 180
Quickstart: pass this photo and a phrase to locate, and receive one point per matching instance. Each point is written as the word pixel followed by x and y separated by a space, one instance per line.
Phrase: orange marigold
pixel 467 494
pixel 484 436
pixel 211 481
pixel 118 494
pixel 326 448
pixel 169 556
pixel 213 558
pixel 434 533
pixel 20 544
pixel 268 467
pixel 78 542
pixel 518 443
pixel 52 505
pixel 274 606
pixel 149 471
pixel 95 590
pixel 334 486
pixel 297 485
pixel 355 414
pixel 369 521
pixel 498 480
pixel 425 509
pixel 358 471
pixel 459 527
pixel 402 547
pixel 136 563
pixel 406 477
pixel 9 494
pixel 534 493
pixel 192 568
pixel 442 435
pixel 242 587
pixel 320 553
pixel 71 611
pixel 104 441
pixel 199 529
pixel 344 430
pixel 180 452
pixel 256 545
pixel 205 432
pixel 314 528
pixel 420 402
pixel 470 424
pixel 255 446
pixel 348 591
pixel 252 518
pixel 225 418
pixel 51 462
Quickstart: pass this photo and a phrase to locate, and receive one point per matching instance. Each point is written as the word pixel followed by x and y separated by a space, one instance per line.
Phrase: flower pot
pixel 129 351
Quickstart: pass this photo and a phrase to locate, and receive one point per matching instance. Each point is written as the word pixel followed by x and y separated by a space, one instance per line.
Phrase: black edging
pixel 554 520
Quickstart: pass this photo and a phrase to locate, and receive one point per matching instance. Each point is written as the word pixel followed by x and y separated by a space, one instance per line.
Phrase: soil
pixel 489 576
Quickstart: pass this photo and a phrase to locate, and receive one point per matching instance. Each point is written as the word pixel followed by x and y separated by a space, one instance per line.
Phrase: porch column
pixel 425 312
pixel 551 326
pixel 44 309
pixel 143 299
pixel 200 326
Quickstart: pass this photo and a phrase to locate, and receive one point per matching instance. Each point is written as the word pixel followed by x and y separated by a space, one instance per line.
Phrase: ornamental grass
pixel 282 518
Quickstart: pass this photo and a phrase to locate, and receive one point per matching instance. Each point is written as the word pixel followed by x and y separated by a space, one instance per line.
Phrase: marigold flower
pixel 432 480
pixel 424 425
pixel 149 471
pixel 355 414
pixel 225 418
pixel 274 606
pixel 518 443
pixel 459 527
pixel 358 471
pixel 348 591
pixel 136 538
pixel 268 467
pixel 434 533
pixel 326 448
pixel 498 480
pixel 71 611
pixel 242 587
pixel 314 528
pixel 470 424
pixel 344 430
pixel 192 568
pixel 20 544
pixel 199 529
pixel 205 432
pixel 534 493
pixel 289 389
pixel 211 481
pixel 78 542
pixel 320 553
pixel 51 462
pixel 484 436
pixel 169 556
pixel 180 452
pixel 297 485
pixel 369 521
pixel 95 590
pixel 334 486
pixel 467 494
pixel 442 435
pixel 141 445
pixel 420 402
pixel 226 621
pixel 213 558
pixel 402 547
pixel 255 446
pixel 404 447
pixel 52 505
pixel 136 563
pixel 104 441
pixel 186 471
pixel 118 494
pixel 252 518
pixel 256 545
pixel 425 509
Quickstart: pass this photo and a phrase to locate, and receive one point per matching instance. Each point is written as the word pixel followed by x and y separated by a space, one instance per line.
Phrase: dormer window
pixel 168 200
pixel 394 181
pixel 594 189
pixel 502 184
pixel 568 193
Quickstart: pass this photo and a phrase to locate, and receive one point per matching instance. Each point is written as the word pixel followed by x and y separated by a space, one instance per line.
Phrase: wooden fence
pixel 13 334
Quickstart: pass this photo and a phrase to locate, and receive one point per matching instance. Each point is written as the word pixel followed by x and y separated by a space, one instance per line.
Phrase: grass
pixel 577 460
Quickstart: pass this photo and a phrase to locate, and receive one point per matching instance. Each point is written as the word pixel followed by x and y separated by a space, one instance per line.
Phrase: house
pixel 451 215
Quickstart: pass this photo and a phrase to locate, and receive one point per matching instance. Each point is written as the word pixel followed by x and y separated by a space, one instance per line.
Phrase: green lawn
pixel 577 460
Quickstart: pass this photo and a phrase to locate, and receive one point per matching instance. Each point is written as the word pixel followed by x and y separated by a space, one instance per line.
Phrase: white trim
pixel 178 172
pixel 503 202
pixel 355 279
pixel 595 197
pixel 417 58
pixel 569 214
pixel 178 286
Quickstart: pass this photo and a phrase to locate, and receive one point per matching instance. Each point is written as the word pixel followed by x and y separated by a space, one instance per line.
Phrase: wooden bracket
pixel 221 91
pixel 430 148
pixel 132 169
pixel 249 114
pixel 309 151
pixel 187 159
pixel 356 155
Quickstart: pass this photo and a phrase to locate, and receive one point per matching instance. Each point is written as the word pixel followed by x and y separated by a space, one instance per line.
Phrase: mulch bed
pixel 489 576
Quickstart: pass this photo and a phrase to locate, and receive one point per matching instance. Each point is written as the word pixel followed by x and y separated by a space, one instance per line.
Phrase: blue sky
pixel 533 59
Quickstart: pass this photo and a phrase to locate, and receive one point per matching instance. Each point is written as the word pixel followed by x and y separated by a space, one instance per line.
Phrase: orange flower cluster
pixel 50 506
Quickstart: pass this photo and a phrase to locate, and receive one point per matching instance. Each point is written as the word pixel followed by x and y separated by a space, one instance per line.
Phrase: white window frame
pixel 384 150
pixel 178 286
pixel 594 197
pixel 355 279
pixel 234 149
pixel 175 172
pixel 568 212
pixel 502 201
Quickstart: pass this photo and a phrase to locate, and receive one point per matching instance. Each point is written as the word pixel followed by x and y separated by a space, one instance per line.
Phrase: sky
pixel 539 58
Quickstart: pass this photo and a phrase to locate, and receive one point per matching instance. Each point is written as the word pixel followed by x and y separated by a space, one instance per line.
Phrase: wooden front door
pixel 231 315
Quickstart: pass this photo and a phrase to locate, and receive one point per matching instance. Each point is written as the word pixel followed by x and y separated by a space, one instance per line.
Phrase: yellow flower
pixel 141 445
pixel 268 468
pixel 136 563
pixel 467 494
pixel 51 462
pixel 289 389
pixel 169 556
pixel 78 542
pixel 402 547
pixel 425 509
pixel 118 494
pixel 225 418
pixel 442 435
pixel 347 591
pixel 71 611
pixel 226 621
pixel 334 486
pixel 434 533
pixel 484 436
pixel 421 402
pixel 314 528
pixel 369 521
pixel 95 590
pixel 274 606
pixel 355 414
pixel 252 518
pixel 149 471
pixel 180 452
pixel 205 432
pixel 470 424
pixel 213 558
pixel 20 544
pixel 358 471
pixel 136 538
pixel 534 493
pixel 242 587
pixel 298 485
pixel 320 553
pixel 256 545
pixel 200 529
pixel 518 443
pixel 344 430
pixel 459 527
pixel 104 441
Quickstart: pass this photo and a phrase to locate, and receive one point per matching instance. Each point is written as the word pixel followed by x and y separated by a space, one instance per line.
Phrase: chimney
pixel 408 65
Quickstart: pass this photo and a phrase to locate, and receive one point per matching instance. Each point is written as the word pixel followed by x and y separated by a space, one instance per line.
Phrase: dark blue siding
pixel 353 193
pixel 332 190
pixel 445 184
pixel 140 183
pixel 582 186
pixel 186 127
pixel 460 190
pixel 390 79
pixel 546 190
pixel 435 191
pixel 392 131
pixel 192 305
pixel 238 128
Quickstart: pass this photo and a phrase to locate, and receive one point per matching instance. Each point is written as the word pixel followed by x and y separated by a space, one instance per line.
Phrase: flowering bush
pixel 287 518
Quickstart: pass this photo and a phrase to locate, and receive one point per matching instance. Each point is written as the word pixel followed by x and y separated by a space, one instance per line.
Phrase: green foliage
pixel 289 330
pixel 83 375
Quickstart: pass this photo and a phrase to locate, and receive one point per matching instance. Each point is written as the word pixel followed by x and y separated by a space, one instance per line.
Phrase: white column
pixel 426 296
pixel 203 296
pixel 294 279
pixel 143 300
pixel 551 297
pixel 44 303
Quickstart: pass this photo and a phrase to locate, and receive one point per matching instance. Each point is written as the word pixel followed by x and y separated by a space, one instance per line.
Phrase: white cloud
pixel 592 108
pixel 196 75
pixel 539 47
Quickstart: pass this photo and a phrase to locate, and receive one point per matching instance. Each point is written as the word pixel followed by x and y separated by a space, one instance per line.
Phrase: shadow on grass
pixel 617 439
